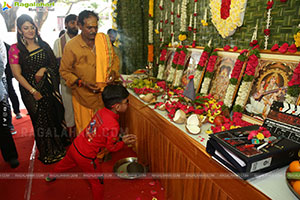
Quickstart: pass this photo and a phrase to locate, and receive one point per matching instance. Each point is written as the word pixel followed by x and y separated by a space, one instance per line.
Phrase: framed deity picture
pixel 191 69
pixel 270 84
pixel 169 59
pixel 223 68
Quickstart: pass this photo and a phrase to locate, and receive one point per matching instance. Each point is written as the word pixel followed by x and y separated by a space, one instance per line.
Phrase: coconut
pixel 192 124
pixel 142 96
pixel 162 107
pixel 193 120
pixel 149 97
pixel 193 129
pixel 179 117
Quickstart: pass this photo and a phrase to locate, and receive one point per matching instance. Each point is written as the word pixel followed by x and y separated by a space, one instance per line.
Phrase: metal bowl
pixel 129 168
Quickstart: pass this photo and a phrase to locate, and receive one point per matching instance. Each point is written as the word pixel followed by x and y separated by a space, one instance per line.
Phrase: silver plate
pixel 120 169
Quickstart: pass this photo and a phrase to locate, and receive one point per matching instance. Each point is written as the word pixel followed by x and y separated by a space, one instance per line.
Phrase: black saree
pixel 47 114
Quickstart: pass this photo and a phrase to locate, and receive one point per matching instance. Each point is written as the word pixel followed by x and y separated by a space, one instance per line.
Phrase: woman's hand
pixel 37 96
pixel 39 75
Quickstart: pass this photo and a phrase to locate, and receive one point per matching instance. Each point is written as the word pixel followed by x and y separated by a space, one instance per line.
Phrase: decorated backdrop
pixel 276 21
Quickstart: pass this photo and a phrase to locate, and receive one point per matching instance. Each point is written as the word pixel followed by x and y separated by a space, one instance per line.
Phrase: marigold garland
pixel 150 35
pixel 297 37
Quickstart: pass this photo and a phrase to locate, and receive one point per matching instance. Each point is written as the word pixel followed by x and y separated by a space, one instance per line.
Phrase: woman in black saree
pixel 34 66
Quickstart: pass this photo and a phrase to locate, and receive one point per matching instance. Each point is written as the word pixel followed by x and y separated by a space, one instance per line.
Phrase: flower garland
pixel 204 20
pixel 226 22
pixel 171 74
pixel 183 34
pixel 209 72
pixel 195 24
pixel 201 64
pixel 160 28
pixel 267 29
pixel 114 14
pixel 247 80
pixel 150 34
pixel 293 87
pixel 236 71
pixel 172 22
pixel 204 57
pixel 162 60
pixel 180 65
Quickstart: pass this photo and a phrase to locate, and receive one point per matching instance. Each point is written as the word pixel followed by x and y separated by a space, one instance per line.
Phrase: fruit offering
pixel 293 177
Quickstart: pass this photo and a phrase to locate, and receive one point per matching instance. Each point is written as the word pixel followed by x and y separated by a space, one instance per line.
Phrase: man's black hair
pixel 61 33
pixel 70 18
pixel 113 94
pixel 86 14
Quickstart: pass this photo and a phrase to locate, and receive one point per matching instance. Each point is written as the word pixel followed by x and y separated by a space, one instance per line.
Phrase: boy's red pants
pixel 73 159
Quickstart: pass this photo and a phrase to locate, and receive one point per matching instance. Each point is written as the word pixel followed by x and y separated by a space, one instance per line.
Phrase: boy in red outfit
pixel 102 132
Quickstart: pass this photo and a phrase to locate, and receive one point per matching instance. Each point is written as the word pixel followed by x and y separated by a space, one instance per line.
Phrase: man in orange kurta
pixel 85 71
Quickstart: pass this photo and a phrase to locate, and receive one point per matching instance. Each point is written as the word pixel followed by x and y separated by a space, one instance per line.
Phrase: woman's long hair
pixel 24 53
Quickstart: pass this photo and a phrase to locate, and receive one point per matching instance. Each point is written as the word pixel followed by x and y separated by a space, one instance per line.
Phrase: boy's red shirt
pixel 102 132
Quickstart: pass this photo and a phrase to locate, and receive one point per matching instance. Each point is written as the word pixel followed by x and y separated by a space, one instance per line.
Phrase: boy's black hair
pixel 86 14
pixel 113 94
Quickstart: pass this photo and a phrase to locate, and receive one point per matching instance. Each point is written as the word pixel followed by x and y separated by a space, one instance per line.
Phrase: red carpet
pixel 18 185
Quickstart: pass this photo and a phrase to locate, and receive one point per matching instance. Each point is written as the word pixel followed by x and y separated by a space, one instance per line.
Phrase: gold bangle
pixel 32 91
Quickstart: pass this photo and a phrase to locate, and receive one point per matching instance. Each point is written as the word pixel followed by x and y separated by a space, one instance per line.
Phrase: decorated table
pixel 179 160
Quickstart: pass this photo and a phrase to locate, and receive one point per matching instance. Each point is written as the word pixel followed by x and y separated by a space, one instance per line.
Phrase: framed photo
pixel 169 59
pixel 270 84
pixel 191 67
pixel 223 69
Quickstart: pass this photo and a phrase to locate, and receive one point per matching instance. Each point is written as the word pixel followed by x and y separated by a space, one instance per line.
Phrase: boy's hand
pixel 129 139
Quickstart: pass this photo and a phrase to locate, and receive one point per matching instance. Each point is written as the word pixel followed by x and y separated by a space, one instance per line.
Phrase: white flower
pixel 197 78
pixel 171 75
pixel 205 85
pixel 150 35
pixel 229 95
pixel 161 69
pixel 243 93
pixel 183 16
pixel 289 99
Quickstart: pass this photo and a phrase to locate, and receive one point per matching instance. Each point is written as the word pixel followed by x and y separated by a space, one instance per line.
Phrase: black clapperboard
pixel 283 121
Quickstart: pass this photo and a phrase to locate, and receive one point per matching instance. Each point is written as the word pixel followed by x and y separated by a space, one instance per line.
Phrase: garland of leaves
pixel 247 80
